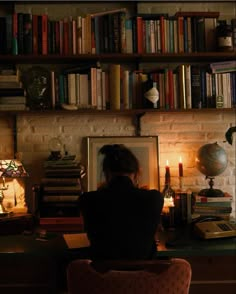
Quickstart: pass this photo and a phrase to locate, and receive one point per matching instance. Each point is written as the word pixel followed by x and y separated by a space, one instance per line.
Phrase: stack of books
pixel 213 206
pixel 60 192
pixel 12 94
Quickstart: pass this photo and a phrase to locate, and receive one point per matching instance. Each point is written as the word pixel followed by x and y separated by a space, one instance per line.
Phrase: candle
pixel 180 168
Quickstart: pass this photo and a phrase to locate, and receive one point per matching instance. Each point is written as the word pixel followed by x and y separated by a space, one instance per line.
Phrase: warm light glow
pixel 167 162
pixel 180 159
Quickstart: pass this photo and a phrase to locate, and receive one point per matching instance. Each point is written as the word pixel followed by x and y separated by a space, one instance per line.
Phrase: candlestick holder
pixel 181 183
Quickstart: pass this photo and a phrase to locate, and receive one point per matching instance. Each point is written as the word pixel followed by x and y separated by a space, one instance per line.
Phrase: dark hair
pixel 119 159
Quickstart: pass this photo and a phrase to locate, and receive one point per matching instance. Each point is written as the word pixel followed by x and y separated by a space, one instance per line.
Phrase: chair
pixel 129 277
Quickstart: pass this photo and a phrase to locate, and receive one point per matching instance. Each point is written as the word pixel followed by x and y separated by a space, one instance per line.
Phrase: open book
pixel 78 240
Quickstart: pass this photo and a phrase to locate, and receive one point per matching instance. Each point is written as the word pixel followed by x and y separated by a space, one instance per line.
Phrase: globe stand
pixel 211 192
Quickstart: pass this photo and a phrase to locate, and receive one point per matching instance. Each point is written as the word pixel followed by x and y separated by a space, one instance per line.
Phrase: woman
pixel 120 218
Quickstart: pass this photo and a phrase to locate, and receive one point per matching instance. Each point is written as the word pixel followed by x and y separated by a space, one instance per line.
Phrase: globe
pixel 211 160
pixel 55 145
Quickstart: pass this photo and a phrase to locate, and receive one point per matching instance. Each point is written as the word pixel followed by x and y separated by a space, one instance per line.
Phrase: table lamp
pixel 10 168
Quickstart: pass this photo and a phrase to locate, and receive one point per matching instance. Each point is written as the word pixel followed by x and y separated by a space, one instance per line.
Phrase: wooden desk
pixel 213 261
pixel 32 266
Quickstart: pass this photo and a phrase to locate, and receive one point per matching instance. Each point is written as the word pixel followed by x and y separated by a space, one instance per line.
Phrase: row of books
pixel 214 206
pixel 108 32
pixel 185 87
pixel 12 94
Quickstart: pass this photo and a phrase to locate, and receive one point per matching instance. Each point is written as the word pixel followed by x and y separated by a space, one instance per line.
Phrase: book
pixel 210 34
pixel 67 188
pixel 72 97
pixel 196 86
pixel 16 107
pixel 213 14
pixel 212 209
pixel 223 66
pixel 60 181
pixel 115 86
pixel 5 85
pixel 114 11
pixel 74 241
pixel 215 204
pixel 60 198
pixel 13 100
pixel 226 198
pixel 12 92
pixel 60 220
pixel 27 33
pixel 182 87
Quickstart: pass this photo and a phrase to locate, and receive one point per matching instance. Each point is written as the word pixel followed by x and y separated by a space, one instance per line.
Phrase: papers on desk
pixel 79 240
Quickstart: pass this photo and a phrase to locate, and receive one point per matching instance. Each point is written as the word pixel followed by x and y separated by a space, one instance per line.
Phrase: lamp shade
pixel 12 168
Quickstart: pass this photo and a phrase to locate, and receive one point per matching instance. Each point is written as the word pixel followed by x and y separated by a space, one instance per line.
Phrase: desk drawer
pixel 215 274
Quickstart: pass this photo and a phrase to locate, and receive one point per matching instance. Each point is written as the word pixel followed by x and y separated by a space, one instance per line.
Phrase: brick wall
pixel 179 134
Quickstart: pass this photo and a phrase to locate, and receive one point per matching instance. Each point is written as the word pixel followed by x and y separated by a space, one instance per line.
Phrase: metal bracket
pixel 137 123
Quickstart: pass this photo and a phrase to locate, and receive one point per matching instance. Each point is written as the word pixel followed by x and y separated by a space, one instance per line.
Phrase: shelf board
pixel 159 57
pixel 116 112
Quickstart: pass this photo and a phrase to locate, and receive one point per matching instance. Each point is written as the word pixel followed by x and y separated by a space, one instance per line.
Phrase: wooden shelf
pixel 134 57
pixel 115 112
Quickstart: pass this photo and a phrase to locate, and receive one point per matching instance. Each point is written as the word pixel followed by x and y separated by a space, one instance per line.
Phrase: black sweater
pixel 121 220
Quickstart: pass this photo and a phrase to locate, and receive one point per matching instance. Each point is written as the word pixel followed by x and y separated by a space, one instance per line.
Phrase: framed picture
pixel 145 149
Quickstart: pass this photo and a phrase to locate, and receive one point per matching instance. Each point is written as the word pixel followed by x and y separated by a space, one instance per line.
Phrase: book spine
pixel 180 27
pixel 9 33
pixel 35 33
pixel 44 34
pixel 188 86
pixel 14 34
pixel 115 86
pixel 162 34
pixel 182 87
pixel 65 36
pixel 201 46
pixel 139 34
pixel 196 86
pixel 28 33
pixel 40 34
pixel 20 33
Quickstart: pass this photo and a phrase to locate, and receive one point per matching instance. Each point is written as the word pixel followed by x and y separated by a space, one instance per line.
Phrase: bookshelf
pixel 137 60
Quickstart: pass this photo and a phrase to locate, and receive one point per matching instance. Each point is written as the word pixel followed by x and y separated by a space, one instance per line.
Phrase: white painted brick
pixel 178 135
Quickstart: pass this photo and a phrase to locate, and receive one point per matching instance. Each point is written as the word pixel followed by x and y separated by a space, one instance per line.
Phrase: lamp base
pixel 211 193
pixel 3 211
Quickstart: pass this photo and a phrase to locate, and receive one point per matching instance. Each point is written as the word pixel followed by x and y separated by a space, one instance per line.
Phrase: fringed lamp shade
pixel 12 168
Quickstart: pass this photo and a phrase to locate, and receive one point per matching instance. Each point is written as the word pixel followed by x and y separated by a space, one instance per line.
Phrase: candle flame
pixel 180 159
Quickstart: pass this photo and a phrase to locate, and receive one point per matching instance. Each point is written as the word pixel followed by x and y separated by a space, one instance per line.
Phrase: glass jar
pixel 224 37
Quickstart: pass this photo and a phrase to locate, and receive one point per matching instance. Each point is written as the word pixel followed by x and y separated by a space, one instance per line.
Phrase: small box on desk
pixel 16 223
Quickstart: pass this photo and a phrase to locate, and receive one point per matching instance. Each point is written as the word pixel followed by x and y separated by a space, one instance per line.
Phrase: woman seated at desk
pixel 121 219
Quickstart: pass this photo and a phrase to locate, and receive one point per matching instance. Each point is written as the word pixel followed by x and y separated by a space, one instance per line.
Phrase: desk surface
pixel 177 243
pixel 182 243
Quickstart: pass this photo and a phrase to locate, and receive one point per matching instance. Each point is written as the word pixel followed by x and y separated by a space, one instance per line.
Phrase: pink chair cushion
pixel 84 279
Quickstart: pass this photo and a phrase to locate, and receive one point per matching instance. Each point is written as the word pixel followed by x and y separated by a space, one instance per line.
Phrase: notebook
pixel 78 240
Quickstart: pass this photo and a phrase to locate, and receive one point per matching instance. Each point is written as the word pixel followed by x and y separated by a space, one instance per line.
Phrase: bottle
pixel 168 192
pixel 169 195
pixel 224 36
pixel 150 93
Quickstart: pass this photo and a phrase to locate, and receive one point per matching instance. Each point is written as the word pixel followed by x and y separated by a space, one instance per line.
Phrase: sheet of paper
pixel 79 240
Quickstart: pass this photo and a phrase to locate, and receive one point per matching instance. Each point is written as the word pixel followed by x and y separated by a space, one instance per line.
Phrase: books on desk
pixel 214 206
pixel 59 194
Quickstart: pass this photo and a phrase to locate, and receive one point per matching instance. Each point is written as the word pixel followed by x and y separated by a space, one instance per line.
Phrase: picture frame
pixel 145 149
